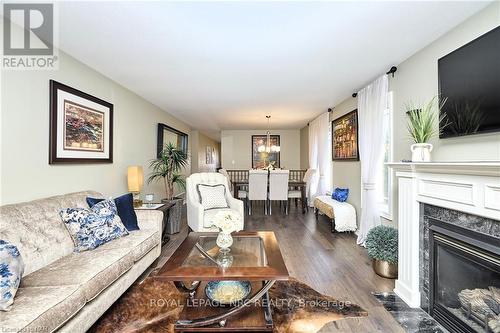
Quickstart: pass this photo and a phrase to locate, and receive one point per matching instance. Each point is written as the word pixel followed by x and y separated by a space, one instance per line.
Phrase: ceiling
pixel 225 65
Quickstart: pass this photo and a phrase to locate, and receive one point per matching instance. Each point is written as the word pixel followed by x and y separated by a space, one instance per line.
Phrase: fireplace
pixel 464 278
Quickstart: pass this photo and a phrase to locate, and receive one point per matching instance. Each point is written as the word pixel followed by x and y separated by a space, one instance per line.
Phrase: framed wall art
pixel 345 137
pixel 209 155
pixel 262 159
pixel 166 135
pixel 81 127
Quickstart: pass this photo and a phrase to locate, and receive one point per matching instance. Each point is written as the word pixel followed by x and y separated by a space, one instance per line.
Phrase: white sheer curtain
pixel 320 156
pixel 372 101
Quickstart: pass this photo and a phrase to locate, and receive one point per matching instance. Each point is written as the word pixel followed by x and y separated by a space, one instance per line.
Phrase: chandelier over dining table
pixel 267 147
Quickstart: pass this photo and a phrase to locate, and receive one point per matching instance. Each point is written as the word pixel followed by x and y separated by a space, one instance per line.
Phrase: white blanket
pixel 345 214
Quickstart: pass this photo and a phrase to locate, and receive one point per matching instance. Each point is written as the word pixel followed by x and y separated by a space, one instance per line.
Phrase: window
pixel 385 178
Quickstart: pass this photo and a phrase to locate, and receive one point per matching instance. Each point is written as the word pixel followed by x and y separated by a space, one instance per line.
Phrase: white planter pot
pixel 421 152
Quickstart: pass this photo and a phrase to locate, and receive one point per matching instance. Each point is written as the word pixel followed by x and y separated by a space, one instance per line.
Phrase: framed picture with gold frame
pixel 81 127
pixel 262 159
pixel 345 137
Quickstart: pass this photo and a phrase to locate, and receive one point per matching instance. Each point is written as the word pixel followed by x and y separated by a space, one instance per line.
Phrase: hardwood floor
pixel 331 263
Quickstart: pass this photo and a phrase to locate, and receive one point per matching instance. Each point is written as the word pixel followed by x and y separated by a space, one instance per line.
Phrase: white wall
pixel 25 171
pixel 236 145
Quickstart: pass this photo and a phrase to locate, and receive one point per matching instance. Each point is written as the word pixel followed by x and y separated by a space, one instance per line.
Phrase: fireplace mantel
pixel 470 187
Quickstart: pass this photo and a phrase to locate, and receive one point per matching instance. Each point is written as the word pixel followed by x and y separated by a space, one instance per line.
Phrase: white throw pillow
pixel 212 196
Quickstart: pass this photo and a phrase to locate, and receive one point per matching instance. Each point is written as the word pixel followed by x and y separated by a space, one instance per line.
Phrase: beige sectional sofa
pixel 65 291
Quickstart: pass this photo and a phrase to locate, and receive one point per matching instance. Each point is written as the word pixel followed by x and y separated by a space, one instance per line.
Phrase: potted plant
pixel 382 247
pixel 167 168
pixel 423 124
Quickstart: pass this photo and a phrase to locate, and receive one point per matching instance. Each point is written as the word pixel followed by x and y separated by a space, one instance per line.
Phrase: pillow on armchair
pixel 212 196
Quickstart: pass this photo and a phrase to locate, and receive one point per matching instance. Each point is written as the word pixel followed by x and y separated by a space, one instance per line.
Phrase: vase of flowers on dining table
pixel 227 222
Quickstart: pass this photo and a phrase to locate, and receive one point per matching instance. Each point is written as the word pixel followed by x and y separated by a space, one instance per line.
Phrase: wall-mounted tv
pixel 469 78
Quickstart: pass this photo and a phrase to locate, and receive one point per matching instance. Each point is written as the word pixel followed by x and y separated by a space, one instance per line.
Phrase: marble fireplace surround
pixel 468 187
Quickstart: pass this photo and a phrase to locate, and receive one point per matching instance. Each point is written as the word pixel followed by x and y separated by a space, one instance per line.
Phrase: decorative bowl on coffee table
pixel 228 292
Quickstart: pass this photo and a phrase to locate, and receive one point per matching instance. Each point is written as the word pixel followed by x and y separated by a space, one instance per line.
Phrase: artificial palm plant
pixel 168 167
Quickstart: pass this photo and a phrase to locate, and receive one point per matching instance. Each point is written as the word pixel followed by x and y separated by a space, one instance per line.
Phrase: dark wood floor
pixel 331 263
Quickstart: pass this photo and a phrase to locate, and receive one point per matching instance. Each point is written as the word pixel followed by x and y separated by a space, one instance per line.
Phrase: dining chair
pixel 257 188
pixel 278 187
pixel 296 194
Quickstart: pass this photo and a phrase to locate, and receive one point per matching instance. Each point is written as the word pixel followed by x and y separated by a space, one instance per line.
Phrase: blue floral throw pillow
pixel 90 228
pixel 340 194
pixel 11 270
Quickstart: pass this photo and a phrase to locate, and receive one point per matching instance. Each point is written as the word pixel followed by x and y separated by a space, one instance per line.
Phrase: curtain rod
pixel 329 110
pixel 391 71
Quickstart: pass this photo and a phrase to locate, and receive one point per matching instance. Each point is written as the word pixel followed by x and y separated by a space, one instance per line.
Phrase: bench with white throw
pixel 342 214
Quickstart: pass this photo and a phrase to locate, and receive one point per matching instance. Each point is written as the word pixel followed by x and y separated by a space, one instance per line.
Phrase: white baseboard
pixel 408 296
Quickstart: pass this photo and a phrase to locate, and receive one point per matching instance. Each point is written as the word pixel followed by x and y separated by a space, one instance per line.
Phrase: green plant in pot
pixel 167 168
pixel 382 247
pixel 423 124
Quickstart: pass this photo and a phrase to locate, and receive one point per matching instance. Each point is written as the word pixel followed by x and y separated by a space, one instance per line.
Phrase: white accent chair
pixel 257 188
pixel 200 220
pixel 278 187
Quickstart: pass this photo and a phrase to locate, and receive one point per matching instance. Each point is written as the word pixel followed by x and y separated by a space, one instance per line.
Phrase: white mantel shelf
pixel 480 168
pixel 471 187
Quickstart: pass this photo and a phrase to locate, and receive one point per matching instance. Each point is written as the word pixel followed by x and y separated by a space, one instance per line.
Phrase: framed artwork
pixel 261 160
pixel 209 155
pixel 81 127
pixel 345 137
pixel 167 134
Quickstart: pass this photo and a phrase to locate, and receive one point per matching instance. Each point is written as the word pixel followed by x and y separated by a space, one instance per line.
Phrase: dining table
pixel 295 183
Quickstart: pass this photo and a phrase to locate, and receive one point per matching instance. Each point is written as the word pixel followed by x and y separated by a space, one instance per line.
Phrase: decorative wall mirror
pixel 167 134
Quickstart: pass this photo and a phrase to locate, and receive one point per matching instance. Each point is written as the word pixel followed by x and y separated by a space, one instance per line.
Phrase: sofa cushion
pixel 36 228
pixel 125 206
pixel 40 309
pixel 92 270
pixel 139 242
pixel 11 270
pixel 92 228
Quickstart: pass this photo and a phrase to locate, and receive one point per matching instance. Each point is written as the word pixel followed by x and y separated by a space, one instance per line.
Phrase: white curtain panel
pixel 372 101
pixel 320 156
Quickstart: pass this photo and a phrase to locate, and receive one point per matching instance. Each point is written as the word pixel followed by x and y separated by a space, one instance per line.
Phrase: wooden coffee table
pixel 254 256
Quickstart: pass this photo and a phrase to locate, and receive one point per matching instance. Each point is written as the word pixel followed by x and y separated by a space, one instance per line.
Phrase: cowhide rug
pixel 154 306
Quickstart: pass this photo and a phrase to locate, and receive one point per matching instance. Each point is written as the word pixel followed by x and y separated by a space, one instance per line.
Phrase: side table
pixel 163 207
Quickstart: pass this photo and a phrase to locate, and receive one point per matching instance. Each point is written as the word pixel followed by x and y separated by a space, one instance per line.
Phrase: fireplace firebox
pixel 464 278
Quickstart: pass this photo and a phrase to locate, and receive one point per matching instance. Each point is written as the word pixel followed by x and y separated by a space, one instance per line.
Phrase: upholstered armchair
pixel 199 219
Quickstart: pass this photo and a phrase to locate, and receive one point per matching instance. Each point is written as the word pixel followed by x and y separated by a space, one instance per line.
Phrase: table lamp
pixel 135 180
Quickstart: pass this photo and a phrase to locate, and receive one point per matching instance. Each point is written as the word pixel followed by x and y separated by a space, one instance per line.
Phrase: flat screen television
pixel 469 79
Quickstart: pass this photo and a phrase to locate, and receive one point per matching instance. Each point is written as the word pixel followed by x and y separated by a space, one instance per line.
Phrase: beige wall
pixel 347 173
pixel 25 172
pixel 417 79
pixel 198 153
pixel 304 147
pixel 236 146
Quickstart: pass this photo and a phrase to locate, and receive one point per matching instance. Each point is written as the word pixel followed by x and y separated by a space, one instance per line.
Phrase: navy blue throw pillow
pixel 340 194
pixel 125 207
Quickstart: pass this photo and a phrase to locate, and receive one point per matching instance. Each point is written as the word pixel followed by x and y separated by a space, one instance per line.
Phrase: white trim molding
pixel 470 187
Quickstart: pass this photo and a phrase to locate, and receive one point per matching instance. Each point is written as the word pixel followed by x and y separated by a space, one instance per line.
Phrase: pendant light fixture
pixel 268 148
